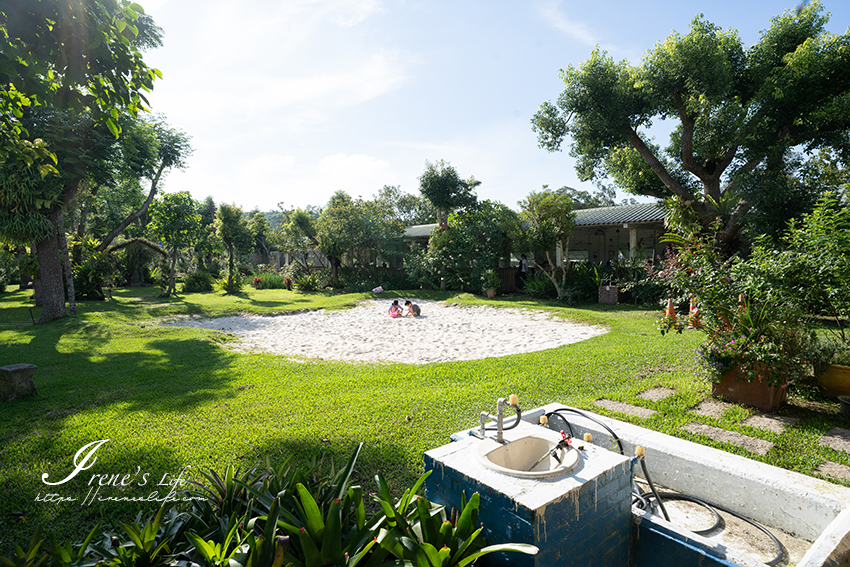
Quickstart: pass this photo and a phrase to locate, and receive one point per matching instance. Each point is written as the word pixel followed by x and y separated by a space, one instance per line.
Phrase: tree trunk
pixel 107 240
pixel 66 262
pixel 171 286
pixel 230 267
pixel 51 290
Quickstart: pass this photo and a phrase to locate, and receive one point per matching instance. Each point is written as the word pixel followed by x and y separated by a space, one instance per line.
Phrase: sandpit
pixel 366 333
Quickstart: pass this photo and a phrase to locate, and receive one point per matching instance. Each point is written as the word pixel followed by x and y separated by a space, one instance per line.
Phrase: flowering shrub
pixel 747 326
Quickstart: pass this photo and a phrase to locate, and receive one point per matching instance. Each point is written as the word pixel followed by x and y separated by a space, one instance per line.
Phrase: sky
pixel 288 101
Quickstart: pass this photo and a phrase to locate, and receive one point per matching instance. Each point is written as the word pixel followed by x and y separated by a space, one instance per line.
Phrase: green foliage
pixel 175 221
pixel 476 240
pixel 231 284
pixel 814 267
pixel 747 323
pixel 419 533
pixel 95 271
pixel 550 219
pixel 737 109
pixel 36 68
pixel 313 280
pixel 197 281
pixel 231 227
pixel 540 286
pixel 271 280
pixel 491 280
pixel 445 190
pixel 340 229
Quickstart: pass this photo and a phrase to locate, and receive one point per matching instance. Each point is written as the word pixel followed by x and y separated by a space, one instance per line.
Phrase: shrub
pixel 539 286
pixel 312 281
pixel 270 280
pixel 238 283
pixel 197 281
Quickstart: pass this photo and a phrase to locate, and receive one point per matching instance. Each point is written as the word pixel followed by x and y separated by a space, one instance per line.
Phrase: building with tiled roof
pixel 608 233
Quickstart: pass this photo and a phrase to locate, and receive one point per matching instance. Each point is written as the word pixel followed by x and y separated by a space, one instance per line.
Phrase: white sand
pixel 443 333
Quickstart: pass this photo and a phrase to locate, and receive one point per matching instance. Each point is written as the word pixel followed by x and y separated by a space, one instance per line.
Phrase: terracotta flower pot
pixel 836 380
pixel 491 293
pixel 760 395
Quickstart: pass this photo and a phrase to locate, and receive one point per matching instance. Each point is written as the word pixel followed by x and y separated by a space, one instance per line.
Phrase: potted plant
pixel 491 282
pixel 832 368
pixel 756 341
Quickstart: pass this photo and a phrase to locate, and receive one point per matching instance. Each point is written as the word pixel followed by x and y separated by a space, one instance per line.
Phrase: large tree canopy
pixel 739 111
pixel 75 54
pixel 444 188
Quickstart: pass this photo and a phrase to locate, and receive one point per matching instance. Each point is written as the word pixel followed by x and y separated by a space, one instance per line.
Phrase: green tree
pixel 32 206
pixel 340 229
pixel 76 54
pixel 737 110
pixel 477 239
pixel 258 224
pixel 550 221
pixel 445 190
pixel 298 234
pixel 231 227
pixel 407 208
pixel 81 55
pixel 176 222
pixel 152 149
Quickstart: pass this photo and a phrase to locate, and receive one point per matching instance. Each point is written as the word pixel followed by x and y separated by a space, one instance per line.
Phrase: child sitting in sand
pixel 395 309
pixel 413 310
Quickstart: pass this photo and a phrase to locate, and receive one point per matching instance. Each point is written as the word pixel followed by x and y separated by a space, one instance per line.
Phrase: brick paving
pixel 757 446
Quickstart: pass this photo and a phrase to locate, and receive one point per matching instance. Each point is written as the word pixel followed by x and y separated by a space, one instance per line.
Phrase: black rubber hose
pixel 775 561
pixel 718 520
pixel 652 488
pixel 598 422
pixel 518 419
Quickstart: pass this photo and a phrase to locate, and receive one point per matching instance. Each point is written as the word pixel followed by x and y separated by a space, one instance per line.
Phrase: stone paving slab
pixel 713 408
pixel 656 394
pixel 834 470
pixel 837 438
pixel 775 423
pixel 627 409
pixel 758 446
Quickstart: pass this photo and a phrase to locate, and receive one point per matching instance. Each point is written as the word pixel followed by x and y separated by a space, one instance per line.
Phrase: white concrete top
pixel 533 493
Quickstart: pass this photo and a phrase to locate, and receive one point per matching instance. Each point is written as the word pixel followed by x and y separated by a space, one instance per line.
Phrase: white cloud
pixel 573 28
pixel 356 174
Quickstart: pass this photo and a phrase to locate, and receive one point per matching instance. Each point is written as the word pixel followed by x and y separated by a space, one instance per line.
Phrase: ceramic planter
pixel 732 387
pixel 836 380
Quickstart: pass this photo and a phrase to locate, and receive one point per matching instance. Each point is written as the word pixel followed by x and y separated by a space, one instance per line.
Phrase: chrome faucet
pixel 499 418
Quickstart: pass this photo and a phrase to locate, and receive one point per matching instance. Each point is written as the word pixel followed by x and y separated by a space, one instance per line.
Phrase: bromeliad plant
pixel 242 519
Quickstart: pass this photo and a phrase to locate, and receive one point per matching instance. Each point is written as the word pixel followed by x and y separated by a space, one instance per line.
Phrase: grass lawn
pixel 167 398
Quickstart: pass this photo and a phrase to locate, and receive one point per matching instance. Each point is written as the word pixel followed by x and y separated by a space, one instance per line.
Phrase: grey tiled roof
pixel 419 230
pixel 642 212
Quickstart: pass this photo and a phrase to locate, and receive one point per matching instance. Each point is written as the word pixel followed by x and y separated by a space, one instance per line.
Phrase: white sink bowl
pixel 523 456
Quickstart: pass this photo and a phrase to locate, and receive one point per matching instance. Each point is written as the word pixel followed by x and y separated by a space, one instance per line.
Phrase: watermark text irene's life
pixel 165 490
